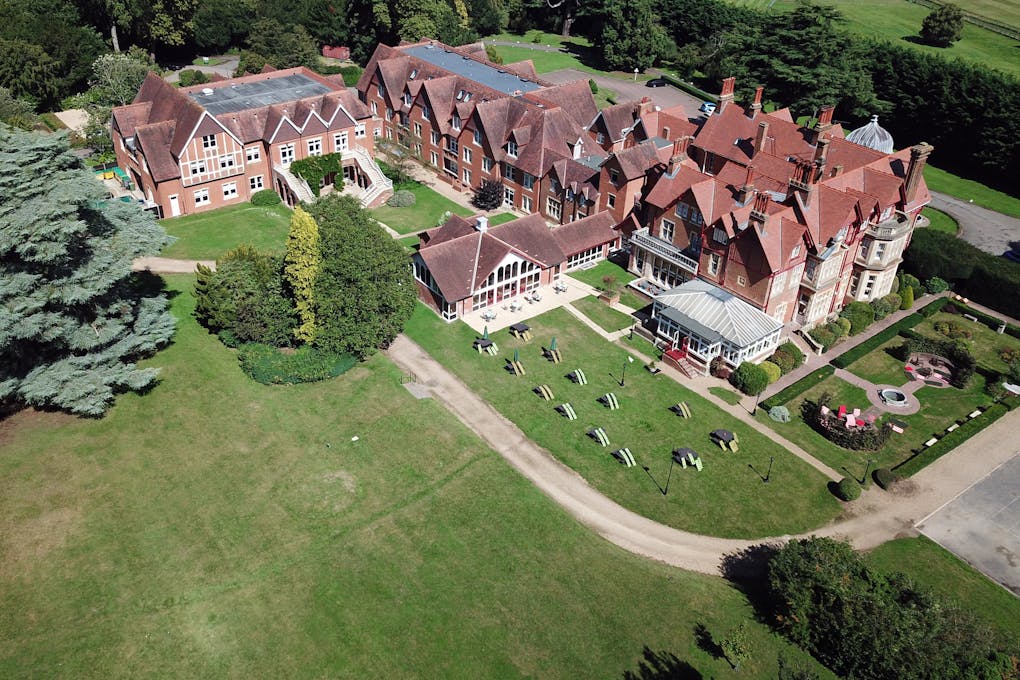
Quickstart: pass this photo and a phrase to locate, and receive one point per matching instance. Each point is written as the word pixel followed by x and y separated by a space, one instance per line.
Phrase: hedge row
pixel 872 343
pixel 798 388
pixel 950 441
pixel 933 308
pixel 270 366
pixel 988 320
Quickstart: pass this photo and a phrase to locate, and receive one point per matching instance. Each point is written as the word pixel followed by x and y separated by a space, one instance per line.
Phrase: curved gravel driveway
pixel 986 229
pixel 872 520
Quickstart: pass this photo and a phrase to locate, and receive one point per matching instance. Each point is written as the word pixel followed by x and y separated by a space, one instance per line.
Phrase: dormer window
pixel 460 95
pixel 478 137
pixel 381 89
pixel 456 122
pixel 407 99
pixel 795 252
pixel 511 149
pixel 600 138
pixel 426 112
pixel 414 73
pixel 719 235
pixel 614 176
pixel 467 96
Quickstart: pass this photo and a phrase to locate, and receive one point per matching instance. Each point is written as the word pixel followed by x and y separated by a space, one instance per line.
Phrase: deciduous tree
pixel 73 318
pixel 364 292
pixel 301 267
pixel 943 26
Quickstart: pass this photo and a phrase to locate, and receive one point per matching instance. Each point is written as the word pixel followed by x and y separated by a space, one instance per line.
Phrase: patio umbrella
pixel 485 332
pixel 516 355
pixel 552 345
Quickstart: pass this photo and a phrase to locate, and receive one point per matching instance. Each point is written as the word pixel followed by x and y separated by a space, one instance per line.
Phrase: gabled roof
pixel 584 234
pixel 715 314
pixel 637 160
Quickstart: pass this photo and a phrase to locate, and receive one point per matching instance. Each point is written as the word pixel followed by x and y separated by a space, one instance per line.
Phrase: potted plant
pixel 610 291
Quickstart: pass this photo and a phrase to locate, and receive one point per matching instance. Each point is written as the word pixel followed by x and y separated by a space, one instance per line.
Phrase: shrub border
pixel 988 320
pixel 868 346
pixel 789 392
pixel 926 456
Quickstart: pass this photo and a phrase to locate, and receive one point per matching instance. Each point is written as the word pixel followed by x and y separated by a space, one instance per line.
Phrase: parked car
pixel 657 82
pixel 707 108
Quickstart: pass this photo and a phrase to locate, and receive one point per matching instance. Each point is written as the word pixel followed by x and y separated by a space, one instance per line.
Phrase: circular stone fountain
pixel 893 397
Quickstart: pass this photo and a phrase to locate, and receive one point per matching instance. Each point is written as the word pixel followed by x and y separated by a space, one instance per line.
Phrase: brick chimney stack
pixel 822 151
pixel 755 107
pixel 760 137
pixel 745 192
pixel 758 210
pixel 918 158
pixel 825 118
pixel 680 147
pixel 726 95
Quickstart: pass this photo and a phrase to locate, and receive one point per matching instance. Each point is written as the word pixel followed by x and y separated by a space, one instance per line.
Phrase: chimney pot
pixel 726 94
pixel 756 104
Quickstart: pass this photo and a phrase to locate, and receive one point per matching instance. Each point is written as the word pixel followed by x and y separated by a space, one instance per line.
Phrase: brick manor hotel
pixel 739 224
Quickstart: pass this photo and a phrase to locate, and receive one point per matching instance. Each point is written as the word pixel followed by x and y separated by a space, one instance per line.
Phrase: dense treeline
pixel 804 58
pixel 863 623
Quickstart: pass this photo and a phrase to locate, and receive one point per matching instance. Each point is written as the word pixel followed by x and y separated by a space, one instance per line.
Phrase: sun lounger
pixel 841 413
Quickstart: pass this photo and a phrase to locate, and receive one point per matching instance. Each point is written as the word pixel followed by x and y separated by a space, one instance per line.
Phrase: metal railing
pixel 665 250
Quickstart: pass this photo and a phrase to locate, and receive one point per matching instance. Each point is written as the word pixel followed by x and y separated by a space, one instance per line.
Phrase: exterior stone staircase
pixel 381 187
pixel 296 184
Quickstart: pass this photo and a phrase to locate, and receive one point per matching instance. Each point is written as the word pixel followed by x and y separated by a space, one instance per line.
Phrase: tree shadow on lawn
pixel 586 55
pixel 662 666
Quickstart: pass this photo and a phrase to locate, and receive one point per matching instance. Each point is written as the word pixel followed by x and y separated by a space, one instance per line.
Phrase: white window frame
pixel 287 154
pixel 229 190
pixel 201 197
pixel 359 131
pixel 713 263
pixel 341 141
pixel 314 146
pixel 487 164
pixel 466 176
pixel 511 148
pixel 527 205
pixel 208 141
pixel 554 207
pixel 467 154
pixel 667 230
pixel 226 161
pixel 611 200
pixel 253 154
pixel 508 197
pixel 255 183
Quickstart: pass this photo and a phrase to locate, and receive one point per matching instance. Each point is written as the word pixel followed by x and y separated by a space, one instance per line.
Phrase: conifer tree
pixel 301 266
pixel 73 318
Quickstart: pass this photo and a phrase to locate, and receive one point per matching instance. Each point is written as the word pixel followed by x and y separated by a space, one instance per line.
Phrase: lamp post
pixel 757 397
pixel 672 462
pixel 768 474
pixel 871 461
pixel 623 378
pixel 635 74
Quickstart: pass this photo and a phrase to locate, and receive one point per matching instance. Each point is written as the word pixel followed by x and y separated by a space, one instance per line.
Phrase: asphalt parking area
pixel 982 525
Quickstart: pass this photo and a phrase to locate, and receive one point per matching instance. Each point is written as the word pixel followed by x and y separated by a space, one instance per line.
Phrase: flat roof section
pixel 253 95
pixel 483 74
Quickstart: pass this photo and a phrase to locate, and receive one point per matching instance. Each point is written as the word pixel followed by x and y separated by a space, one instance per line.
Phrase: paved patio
pixel 550 300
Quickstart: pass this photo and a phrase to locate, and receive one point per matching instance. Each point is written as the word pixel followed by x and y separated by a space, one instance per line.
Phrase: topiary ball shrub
pixel 402 199
pixel 847 489
pixel 936 285
pixel 885 478
pixel 750 378
pixel 265 198
pixel 771 370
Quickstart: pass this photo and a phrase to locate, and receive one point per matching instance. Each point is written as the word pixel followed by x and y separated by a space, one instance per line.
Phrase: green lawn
pixel 593 277
pixel 208 235
pixel 940 407
pixel 985 344
pixel 928 563
pixel 639 344
pixel 544 61
pixel 726 499
pixel 536 36
pixel 217 528
pixel 727 395
pixel 502 218
pixel 603 315
pixel 881 366
pixel 969 190
pixel 409 242
pixel 898 20
pixel 940 221
pixel 427 212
